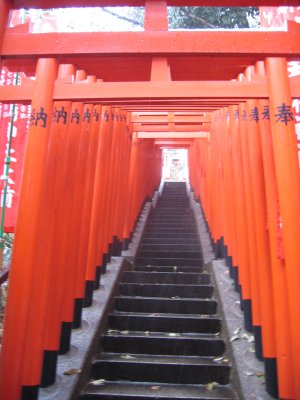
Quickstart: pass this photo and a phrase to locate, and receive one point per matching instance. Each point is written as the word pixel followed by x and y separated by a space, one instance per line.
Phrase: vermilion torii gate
pixel 103 104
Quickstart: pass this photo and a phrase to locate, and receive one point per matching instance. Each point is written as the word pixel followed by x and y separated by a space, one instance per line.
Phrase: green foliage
pixel 212 17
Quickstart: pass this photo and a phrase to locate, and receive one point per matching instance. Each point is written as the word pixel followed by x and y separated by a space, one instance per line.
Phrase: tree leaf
pixel 98 382
pixel 72 371
pixel 211 385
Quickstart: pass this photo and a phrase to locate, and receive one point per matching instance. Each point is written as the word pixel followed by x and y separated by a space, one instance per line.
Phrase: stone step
pixel 180 254
pixel 173 323
pixel 123 390
pixel 174 234
pixel 168 231
pixel 163 305
pixel 166 277
pixel 167 290
pixel 164 369
pixel 172 241
pixel 172 224
pixel 167 213
pixel 162 343
pixel 193 262
pixel 169 247
pixel 164 268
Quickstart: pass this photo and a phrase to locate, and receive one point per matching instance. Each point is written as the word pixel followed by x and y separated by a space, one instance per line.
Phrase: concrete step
pixel 170 268
pixel 172 241
pixel 171 224
pixel 176 323
pixel 170 247
pixel 188 278
pixel 193 262
pixel 165 253
pixel 160 343
pixel 164 369
pixel 121 390
pixel 163 305
pixel 173 234
pixel 167 290
pixel 167 231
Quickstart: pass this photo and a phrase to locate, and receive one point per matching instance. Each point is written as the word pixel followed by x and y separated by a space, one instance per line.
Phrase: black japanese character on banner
pixel 96 115
pixel 105 116
pixel 112 116
pixel 87 115
pixel 35 117
pixel 236 114
pixel 121 117
pixel 244 115
pixel 58 114
pixel 266 113
pixel 75 116
pixel 254 114
pixel 117 117
pixel 284 114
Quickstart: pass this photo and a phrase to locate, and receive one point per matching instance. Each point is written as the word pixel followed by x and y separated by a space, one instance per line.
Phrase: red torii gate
pixel 153 71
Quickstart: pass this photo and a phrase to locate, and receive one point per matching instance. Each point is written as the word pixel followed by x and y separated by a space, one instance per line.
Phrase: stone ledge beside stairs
pixel 72 367
pixel 249 371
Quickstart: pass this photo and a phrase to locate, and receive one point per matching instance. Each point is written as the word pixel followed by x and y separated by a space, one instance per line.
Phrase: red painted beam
pixel 140 3
pixel 154 119
pixel 213 43
pixel 173 135
pixel 167 128
pixel 203 93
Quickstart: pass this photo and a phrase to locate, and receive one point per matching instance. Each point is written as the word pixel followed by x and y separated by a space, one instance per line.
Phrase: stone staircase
pixel 164 337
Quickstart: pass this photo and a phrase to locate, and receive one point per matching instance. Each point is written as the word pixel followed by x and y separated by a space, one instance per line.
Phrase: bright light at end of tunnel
pixel 175 165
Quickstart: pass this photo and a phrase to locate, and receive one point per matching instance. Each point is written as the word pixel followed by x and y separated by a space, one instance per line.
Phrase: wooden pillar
pixel 91 278
pixel 71 239
pixel 243 273
pixel 250 307
pixel 5 7
pixel 284 372
pixel 288 181
pixel 128 227
pixel 47 274
pixel 27 236
pixel 156 15
pixel 81 211
pixel 96 257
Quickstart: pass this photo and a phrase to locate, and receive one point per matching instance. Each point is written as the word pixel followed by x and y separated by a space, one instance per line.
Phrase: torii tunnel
pixel 104 104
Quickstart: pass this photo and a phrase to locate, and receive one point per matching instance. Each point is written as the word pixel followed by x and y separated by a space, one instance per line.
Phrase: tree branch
pixel 130 20
pixel 203 21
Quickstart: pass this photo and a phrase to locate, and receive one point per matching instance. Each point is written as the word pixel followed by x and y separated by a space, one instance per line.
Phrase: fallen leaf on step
pixel 248 373
pixel 127 357
pixel 237 331
pixel 173 334
pixel 175 297
pixel 98 382
pixel 218 359
pixel 234 337
pixel 124 332
pixel 146 333
pixel 260 374
pixel 211 385
pixel 112 332
pixel 249 338
pixel 72 371
pixel 155 387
